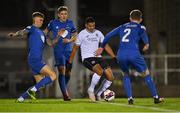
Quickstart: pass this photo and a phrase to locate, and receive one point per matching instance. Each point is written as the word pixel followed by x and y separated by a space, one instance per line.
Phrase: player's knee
pixel 68 73
pixel 61 70
pixel 98 69
pixel 53 76
pixel 145 73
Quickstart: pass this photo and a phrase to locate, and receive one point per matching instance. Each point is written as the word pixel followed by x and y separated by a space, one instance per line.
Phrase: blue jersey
pixel 130 35
pixel 128 54
pixel 36 40
pixel 36 43
pixel 56 25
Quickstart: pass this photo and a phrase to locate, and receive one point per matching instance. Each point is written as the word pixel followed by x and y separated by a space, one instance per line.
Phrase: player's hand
pixel 60 32
pixel 115 60
pixel 66 40
pixel 146 47
pixel 11 34
pixel 69 66
pixel 99 51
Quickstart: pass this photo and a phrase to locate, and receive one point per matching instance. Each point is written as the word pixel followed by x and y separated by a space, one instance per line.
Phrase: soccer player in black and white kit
pixel 88 40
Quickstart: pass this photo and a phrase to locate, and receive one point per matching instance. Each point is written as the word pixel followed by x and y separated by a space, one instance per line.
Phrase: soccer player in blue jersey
pixel 63 47
pixel 129 55
pixel 36 41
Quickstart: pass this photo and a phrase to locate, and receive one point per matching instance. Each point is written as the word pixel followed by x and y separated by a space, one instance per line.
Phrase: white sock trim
pixel 34 89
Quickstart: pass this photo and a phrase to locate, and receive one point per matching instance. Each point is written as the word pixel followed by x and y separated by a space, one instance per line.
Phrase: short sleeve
pixel 78 40
pixel 101 36
pixel 28 29
pixel 144 35
pixel 73 29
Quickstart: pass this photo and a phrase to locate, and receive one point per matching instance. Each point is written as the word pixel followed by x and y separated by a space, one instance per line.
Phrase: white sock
pixel 20 99
pixel 156 96
pixel 33 89
pixel 94 81
pixel 106 85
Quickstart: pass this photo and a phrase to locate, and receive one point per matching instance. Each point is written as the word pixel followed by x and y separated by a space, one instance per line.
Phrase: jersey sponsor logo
pixel 93 39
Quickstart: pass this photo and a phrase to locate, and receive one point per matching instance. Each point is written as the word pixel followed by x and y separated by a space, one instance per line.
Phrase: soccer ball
pixel 109 95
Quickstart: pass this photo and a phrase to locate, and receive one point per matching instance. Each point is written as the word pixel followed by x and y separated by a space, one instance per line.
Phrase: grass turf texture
pixel 84 105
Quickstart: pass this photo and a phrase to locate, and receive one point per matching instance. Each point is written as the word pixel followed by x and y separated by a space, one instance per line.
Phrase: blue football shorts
pixel 61 58
pixel 36 66
pixel 136 61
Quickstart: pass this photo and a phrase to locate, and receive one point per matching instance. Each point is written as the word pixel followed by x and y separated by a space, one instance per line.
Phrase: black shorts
pixel 92 61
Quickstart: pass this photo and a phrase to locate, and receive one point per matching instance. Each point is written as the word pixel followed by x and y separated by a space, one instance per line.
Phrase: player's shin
pixel 127 86
pixel 62 84
pixel 67 77
pixel 22 97
pixel 46 80
pixel 105 85
pixel 150 84
pixel 94 81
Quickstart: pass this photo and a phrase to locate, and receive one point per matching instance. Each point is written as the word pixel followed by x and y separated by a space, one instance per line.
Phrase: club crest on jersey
pixel 57 27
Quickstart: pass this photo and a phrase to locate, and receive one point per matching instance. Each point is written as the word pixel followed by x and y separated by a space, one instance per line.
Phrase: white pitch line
pixel 142 107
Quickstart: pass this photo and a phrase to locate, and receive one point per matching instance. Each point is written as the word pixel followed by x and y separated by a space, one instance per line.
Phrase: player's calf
pixel 109 75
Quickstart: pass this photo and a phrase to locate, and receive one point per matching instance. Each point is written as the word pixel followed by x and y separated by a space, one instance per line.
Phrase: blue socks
pixel 40 84
pixel 67 78
pixel 25 95
pixel 127 86
pixel 148 80
pixel 43 82
pixel 62 83
pixel 150 84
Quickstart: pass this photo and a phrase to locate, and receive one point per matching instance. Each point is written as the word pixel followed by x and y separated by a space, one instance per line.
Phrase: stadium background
pixel 161 19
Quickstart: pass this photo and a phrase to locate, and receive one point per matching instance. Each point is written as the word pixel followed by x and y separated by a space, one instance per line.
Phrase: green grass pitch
pixel 84 105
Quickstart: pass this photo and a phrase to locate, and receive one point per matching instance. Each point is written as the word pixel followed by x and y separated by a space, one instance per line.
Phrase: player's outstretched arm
pixel 74 37
pixel 99 51
pixel 19 33
pixel 55 40
pixel 74 49
pixel 109 51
